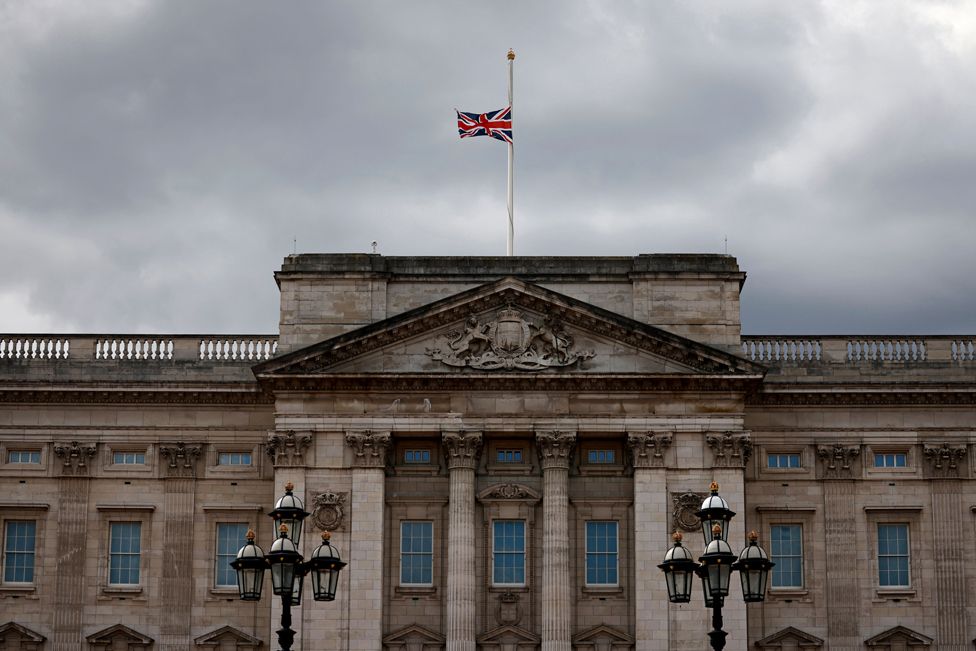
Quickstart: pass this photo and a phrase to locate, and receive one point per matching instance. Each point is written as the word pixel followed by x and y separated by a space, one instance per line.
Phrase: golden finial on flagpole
pixel 511 54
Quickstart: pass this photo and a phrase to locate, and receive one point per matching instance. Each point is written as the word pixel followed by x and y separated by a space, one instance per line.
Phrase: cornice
pixel 250 395
pixel 839 395
pixel 597 382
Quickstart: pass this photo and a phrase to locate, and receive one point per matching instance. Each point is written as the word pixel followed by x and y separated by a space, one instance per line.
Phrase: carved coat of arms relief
pixel 509 342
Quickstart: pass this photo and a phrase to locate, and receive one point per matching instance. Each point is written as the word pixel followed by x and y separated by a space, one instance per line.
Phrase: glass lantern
pixel 717 562
pixel 753 567
pixel 324 565
pixel 715 511
pixel 250 564
pixel 679 570
pixel 284 560
pixel 290 511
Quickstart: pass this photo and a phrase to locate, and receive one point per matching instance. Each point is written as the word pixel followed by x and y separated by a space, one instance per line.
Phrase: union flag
pixel 496 124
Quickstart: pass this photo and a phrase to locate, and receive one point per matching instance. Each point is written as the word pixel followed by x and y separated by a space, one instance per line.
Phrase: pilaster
pixel 555 451
pixel 366 539
pixel 948 516
pixel 651 512
pixel 462 450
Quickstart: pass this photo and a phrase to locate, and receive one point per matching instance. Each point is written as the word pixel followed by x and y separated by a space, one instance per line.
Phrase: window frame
pixel 111 513
pixel 31 451
pixel 907 556
pixel 587 554
pixel 230 454
pixel 802 557
pixel 5 552
pixel 139 555
pixel 523 467
pixel 524 553
pixel 124 454
pixel 402 554
pixel 911 517
pixel 779 457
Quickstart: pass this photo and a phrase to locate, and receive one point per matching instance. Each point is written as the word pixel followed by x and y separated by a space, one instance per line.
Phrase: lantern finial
pixel 289 487
pixel 250 535
pixel 713 487
pixel 676 536
pixel 283 529
pixel 326 536
pixel 753 536
pixel 716 530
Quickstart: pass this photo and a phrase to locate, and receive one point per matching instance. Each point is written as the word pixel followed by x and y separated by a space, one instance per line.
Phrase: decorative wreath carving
pixel 327 510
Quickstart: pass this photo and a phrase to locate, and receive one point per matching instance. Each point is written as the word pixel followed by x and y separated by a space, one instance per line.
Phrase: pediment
pixel 13 631
pixel 412 636
pixel 228 634
pixel 107 636
pixel 509 491
pixel 603 637
pixel 899 635
pixel 790 637
pixel 508 327
pixel 509 635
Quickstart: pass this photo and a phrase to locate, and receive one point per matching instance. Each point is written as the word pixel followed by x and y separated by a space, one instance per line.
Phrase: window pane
pixel 230 538
pixel 18 565
pixel 601 456
pixel 24 456
pixel 234 459
pixel 893 555
pixel 508 547
pixel 129 458
pixel 416 553
pixel 508 455
pixel 601 553
pixel 125 542
pixel 416 456
pixel 786 550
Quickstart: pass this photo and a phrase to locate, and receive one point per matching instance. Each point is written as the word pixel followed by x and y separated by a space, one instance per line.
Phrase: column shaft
pixel 555 449
pixel 462 457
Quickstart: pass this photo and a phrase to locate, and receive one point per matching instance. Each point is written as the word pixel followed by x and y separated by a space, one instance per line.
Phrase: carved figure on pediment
pixel 182 459
pixel 508 492
pixel 327 510
pixel 837 460
pixel 683 510
pixel 287 448
pixel 730 450
pixel 648 449
pixel 943 461
pixel 75 457
pixel 510 342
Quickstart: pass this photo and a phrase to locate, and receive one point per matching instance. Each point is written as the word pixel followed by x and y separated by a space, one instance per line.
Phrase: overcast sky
pixel 159 159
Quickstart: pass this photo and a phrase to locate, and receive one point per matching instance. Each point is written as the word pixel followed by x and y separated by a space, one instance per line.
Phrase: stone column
pixel 839 466
pixel 651 515
pixel 365 568
pixel 948 518
pixel 176 585
pixel 462 458
pixel 555 449
pixel 73 490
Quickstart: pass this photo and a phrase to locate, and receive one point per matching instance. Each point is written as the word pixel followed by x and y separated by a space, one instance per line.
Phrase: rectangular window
pixel 601 553
pixel 18 551
pixel 125 544
pixel 234 459
pixel 508 455
pixel 786 550
pixel 416 553
pixel 791 460
pixel 893 556
pixel 416 456
pixel 890 460
pixel 231 536
pixel 129 458
pixel 601 456
pixel 508 552
pixel 24 456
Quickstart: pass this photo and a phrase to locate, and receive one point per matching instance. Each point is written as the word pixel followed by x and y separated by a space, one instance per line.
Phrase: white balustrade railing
pixel 780 350
pixel 127 348
pixel 27 347
pixel 238 349
pixel 963 350
pixel 886 350
pixel 139 348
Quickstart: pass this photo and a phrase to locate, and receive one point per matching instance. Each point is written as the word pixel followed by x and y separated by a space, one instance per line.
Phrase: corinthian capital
pixel 648 448
pixel 369 448
pixel 462 448
pixel 555 448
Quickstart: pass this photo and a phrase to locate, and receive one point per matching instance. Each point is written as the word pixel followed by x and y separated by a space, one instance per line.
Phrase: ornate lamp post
pixel 288 568
pixel 715 566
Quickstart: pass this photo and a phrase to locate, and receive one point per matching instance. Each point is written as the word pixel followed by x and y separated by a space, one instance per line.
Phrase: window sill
pixel 788 594
pixel 15 591
pixel 122 591
pixel 223 594
pixel 599 591
pixel 895 594
pixel 508 588
pixel 416 470
pixel 509 468
pixel 608 470
pixel 415 591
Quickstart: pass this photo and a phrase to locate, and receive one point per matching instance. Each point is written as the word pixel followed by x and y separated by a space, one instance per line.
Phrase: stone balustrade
pixel 859 350
pixel 246 349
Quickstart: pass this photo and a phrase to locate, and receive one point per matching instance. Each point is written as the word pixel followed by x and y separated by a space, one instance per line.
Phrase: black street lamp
pixel 288 568
pixel 715 566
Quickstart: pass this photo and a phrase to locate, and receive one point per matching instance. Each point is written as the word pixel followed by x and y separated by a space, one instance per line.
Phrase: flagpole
pixel 511 163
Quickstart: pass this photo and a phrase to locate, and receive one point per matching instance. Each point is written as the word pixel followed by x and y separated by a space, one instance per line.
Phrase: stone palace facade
pixel 501 448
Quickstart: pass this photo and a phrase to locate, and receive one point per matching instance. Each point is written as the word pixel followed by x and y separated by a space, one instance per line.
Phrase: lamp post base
pixel 286 636
pixel 717 635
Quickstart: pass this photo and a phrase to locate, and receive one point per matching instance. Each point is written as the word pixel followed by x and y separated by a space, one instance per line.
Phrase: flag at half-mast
pixel 494 124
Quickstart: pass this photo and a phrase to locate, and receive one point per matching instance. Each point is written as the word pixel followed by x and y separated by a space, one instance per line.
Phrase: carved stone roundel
pixel 686 505
pixel 327 513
